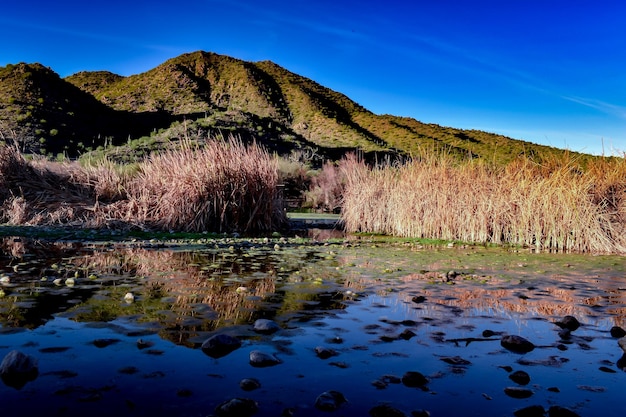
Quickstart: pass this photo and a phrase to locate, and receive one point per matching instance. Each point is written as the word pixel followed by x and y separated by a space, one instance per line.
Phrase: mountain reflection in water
pixel 382 310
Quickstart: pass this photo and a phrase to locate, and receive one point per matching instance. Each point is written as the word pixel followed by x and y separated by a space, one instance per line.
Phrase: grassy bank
pixel 553 205
pixel 224 186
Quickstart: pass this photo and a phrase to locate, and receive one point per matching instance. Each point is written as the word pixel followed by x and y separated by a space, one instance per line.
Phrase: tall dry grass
pixel 556 205
pixel 224 186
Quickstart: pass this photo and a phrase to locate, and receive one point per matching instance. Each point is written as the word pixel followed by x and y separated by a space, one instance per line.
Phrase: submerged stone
pixel 455 360
pixel 406 334
pixel 418 299
pixel 17 369
pixel 249 384
pixel 260 359
pixel 568 322
pixel 520 377
pixel 386 410
pixel 617 332
pixel 237 407
pixel 330 401
pixel 324 352
pixel 516 344
pixel 531 411
pixel 516 392
pixel 558 411
pixel 220 345
pixel 266 326
pixel 414 379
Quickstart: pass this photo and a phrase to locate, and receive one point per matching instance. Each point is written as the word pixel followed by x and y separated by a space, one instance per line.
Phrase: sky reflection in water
pixel 356 300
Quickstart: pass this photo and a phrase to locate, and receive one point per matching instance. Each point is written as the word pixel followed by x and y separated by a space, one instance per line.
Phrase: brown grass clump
pixel 222 187
pixel 556 205
pixel 32 193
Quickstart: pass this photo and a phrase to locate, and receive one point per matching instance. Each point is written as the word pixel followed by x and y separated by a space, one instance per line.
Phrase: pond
pixel 357 327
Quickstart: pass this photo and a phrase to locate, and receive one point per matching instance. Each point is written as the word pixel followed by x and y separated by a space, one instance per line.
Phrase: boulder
pixel 17 369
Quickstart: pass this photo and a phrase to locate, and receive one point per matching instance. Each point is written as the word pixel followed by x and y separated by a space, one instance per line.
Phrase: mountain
pixel 260 100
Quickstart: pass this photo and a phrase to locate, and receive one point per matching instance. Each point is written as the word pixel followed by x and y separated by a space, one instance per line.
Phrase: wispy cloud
pixel 604 107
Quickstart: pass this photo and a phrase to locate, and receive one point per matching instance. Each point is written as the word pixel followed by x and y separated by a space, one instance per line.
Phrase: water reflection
pixel 383 310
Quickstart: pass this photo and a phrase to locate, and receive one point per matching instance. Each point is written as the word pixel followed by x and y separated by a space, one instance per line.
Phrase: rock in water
pixel 622 343
pixel 414 379
pixel 249 384
pixel 569 322
pixel 220 345
pixel 266 326
pixel 531 411
pixel 386 411
pixel 516 344
pixel 618 332
pixel 260 359
pixel 558 411
pixel 330 401
pixel 520 377
pixel 324 352
pixel 17 369
pixel 519 393
pixel 237 407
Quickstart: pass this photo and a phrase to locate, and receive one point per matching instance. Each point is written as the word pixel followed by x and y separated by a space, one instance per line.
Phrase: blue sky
pixel 550 72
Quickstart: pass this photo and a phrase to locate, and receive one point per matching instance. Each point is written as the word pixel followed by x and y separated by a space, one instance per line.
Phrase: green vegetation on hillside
pixel 262 101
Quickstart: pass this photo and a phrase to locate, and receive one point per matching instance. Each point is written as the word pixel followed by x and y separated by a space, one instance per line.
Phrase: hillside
pixel 284 111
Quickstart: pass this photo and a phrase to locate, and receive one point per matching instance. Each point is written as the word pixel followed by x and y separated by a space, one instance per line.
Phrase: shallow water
pixel 359 299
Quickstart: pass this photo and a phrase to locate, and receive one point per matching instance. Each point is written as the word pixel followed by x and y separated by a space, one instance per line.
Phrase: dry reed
pixel 223 187
pixel 551 206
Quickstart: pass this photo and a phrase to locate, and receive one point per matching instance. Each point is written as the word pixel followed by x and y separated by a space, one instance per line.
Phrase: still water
pixel 117 328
